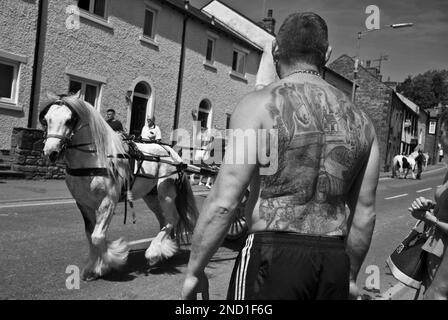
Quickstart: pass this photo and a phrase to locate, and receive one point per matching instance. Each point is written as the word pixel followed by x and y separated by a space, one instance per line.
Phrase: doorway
pixel 142 93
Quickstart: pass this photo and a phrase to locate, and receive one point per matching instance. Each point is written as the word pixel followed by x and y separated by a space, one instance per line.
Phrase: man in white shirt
pixel 151 131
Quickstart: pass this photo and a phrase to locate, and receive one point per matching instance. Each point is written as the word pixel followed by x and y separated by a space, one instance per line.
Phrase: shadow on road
pixel 138 265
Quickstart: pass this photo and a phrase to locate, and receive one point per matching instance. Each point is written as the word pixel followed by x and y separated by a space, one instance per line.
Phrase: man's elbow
pixel 364 218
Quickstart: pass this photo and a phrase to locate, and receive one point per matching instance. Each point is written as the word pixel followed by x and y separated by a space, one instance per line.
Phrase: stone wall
pixel 374 97
pixel 27 157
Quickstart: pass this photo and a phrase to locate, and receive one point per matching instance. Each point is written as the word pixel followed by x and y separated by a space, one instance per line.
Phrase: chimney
pixel 268 23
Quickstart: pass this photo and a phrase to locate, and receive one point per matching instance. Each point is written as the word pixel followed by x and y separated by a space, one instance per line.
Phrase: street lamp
pixel 358 45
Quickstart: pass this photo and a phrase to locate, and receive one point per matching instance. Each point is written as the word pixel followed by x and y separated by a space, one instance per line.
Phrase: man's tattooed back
pixel 323 143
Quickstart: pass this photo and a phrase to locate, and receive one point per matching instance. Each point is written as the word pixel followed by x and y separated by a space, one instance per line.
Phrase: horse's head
pixel 59 121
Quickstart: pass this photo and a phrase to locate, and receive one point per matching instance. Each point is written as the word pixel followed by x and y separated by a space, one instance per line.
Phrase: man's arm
pixel 218 210
pixel 361 202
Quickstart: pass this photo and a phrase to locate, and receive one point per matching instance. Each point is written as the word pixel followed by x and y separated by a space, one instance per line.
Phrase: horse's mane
pixel 107 142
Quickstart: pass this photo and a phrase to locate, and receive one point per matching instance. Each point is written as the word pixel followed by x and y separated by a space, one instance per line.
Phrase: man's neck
pixel 286 71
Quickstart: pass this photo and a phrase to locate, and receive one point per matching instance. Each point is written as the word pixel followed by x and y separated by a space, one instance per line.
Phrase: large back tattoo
pixel 323 143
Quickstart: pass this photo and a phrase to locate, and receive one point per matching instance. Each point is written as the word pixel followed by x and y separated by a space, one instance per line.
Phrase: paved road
pixel 392 225
pixel 39 240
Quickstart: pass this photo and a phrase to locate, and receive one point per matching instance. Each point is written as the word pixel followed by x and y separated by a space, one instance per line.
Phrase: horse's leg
pixel 152 201
pixel 162 246
pixel 112 254
pixel 88 216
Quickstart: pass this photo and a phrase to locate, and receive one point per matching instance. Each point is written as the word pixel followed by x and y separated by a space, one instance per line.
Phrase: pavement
pixel 427 169
pixel 21 190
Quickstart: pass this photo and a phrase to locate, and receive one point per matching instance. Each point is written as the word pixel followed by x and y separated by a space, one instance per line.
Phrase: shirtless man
pixel 303 243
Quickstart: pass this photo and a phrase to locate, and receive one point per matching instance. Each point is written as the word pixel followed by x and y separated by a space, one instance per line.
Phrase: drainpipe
pixel 37 63
pixel 387 163
pixel 181 71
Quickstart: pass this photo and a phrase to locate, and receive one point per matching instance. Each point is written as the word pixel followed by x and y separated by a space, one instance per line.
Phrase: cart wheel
pixel 238 228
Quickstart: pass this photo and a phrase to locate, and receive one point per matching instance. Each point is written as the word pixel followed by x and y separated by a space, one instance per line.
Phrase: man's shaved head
pixel 303 37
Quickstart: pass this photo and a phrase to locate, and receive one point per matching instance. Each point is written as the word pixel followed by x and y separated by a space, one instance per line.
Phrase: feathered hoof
pixel 89 275
pixel 160 250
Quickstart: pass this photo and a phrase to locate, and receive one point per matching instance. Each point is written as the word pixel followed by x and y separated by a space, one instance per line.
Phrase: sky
pixel 410 51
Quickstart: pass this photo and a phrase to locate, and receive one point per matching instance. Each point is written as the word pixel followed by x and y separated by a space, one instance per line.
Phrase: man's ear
pixel 328 54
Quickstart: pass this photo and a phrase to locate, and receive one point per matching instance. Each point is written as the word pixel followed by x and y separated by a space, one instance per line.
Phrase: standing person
pixel 420 160
pixel 440 153
pixel 302 242
pixel 436 277
pixel 208 153
pixel 113 123
pixel 151 131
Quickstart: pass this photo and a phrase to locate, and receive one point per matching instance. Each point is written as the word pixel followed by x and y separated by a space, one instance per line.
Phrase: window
pixel 148 29
pixel 8 81
pixel 97 7
pixel 89 91
pixel 210 53
pixel 239 61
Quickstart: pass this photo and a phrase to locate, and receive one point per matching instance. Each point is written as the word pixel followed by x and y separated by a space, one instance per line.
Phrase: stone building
pixel 140 57
pixel 395 118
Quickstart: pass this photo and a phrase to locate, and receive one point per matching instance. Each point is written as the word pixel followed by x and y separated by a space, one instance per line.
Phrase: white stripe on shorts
pixel 240 281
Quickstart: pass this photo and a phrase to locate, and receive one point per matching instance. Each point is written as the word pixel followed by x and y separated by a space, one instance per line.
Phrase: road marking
pixel 423 190
pixel 133 243
pixel 399 196
pixel 389 294
pixel 35 203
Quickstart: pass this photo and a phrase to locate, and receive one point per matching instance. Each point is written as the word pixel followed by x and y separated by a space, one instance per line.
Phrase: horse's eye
pixel 70 122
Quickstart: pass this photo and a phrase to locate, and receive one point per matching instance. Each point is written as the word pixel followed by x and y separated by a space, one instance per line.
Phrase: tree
pixel 427 89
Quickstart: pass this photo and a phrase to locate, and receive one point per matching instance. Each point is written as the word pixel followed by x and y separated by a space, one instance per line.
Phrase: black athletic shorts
pixel 290 266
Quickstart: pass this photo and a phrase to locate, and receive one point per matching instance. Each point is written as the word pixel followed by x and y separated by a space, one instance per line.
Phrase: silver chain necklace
pixel 304 71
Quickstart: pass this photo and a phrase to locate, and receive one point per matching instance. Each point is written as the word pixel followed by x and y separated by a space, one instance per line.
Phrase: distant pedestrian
pixel 420 160
pixel 113 123
pixel 440 153
pixel 151 131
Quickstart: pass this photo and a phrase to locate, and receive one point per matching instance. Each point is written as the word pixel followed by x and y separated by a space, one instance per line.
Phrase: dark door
pixel 138 115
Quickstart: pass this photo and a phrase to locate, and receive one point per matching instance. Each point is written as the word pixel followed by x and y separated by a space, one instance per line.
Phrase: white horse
pixel 98 171
pixel 404 164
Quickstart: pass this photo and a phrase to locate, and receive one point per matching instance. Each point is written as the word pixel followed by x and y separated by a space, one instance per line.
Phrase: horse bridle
pixel 65 139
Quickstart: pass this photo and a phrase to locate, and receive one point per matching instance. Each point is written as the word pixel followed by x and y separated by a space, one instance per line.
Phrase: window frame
pixel 155 9
pixel 91 10
pixel 84 82
pixel 154 23
pixel 212 55
pixel 13 100
pixel 240 51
